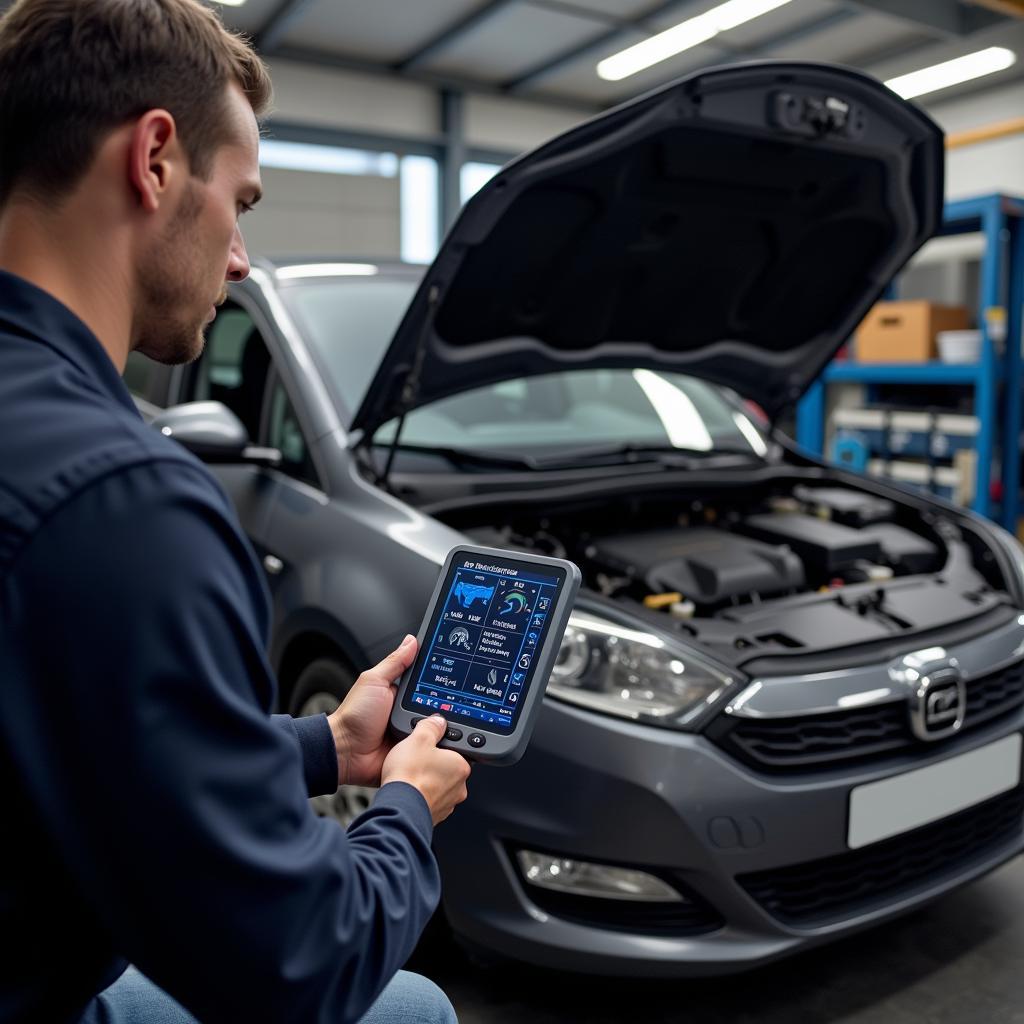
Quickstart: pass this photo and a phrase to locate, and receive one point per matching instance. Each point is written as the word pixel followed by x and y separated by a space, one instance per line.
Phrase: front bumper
pixel 675 805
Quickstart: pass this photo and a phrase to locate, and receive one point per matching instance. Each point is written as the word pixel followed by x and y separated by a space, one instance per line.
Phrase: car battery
pixel 869 426
pixel 915 475
pixel 910 433
pixel 952 434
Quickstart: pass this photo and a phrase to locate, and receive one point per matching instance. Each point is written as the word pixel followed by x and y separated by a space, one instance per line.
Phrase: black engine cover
pixel 825 547
pixel 705 565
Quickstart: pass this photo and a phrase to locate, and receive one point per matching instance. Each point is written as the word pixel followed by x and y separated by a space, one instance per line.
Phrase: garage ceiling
pixel 548 49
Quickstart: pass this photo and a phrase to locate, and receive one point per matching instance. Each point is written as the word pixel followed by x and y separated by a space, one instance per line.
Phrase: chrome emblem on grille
pixel 938 697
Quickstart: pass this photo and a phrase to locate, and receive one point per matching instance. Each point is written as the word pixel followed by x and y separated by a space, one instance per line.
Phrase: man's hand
pixel 360 724
pixel 440 775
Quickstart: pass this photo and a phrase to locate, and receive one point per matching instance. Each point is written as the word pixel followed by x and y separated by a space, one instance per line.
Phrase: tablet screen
pixel 478 654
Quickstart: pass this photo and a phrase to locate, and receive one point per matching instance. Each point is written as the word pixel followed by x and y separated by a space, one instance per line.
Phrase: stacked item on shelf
pixel 906 332
pixel 929 451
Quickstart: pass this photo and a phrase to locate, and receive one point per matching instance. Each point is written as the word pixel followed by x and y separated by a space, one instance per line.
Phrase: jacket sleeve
pixel 135 706
pixel 316 744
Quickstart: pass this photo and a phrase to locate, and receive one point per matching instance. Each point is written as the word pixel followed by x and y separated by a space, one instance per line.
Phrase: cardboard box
pixel 904 332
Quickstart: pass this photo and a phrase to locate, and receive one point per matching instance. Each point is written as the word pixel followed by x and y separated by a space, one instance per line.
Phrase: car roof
pixel 386 267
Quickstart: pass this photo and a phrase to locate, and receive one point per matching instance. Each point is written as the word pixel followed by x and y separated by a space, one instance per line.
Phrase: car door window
pixel 285 434
pixel 234 366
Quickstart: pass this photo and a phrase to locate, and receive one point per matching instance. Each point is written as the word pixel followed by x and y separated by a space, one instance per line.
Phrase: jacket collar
pixel 31 312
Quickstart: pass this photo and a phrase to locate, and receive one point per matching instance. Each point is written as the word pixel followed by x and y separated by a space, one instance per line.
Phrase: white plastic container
pixel 947 483
pixel 917 475
pixel 869 426
pixel 954 433
pixel 910 433
pixel 959 346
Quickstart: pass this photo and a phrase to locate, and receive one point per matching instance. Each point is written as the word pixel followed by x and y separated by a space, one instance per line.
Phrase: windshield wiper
pixel 619 454
pixel 631 452
pixel 469 457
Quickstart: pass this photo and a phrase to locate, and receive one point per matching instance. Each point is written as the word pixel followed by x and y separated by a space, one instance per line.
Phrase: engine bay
pixel 766 569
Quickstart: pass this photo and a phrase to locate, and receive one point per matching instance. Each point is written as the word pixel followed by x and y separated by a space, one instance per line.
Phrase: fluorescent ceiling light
pixel 952 72
pixel 683 36
pixel 327 270
pixel 231 3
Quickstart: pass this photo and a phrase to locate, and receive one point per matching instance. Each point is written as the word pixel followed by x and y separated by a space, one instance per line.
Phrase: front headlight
pixel 607 667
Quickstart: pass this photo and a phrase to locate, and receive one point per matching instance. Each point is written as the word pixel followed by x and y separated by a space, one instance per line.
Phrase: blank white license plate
pixel 886 808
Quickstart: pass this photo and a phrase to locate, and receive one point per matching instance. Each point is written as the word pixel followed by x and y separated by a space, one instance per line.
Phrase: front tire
pixel 321 687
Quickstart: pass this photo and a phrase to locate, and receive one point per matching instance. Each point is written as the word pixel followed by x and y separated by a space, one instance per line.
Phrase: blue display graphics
pixel 483 640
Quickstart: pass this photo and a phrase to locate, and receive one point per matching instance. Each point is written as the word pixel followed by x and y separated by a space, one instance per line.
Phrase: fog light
pixel 583 878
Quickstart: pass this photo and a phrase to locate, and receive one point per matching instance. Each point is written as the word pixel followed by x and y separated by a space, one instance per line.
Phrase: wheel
pixel 320 688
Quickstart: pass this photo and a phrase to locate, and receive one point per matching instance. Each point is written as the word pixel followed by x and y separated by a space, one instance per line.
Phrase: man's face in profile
pixel 183 276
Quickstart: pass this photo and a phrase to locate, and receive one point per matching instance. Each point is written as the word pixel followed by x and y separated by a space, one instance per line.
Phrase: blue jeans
pixel 134 999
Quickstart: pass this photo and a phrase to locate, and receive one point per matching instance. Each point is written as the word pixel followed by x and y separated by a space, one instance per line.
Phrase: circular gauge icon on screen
pixel 459 638
pixel 513 603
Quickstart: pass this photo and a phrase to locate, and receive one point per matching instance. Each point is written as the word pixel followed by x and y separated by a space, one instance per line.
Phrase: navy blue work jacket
pixel 154 810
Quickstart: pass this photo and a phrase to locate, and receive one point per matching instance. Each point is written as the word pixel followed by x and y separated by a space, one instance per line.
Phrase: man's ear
pixel 154 157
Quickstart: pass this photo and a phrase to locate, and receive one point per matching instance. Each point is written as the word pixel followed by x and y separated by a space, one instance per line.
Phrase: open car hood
pixel 735 225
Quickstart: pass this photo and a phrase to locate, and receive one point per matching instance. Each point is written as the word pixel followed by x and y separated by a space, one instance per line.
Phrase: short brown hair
pixel 73 70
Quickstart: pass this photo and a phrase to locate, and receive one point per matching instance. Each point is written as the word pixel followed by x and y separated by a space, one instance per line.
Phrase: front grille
pixel 837 887
pixel 807 742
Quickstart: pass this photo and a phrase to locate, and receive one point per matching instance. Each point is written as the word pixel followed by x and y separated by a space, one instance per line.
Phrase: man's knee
pixel 411 999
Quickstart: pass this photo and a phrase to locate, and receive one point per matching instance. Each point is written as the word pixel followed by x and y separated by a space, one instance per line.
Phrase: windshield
pixel 349 323
pixel 583 409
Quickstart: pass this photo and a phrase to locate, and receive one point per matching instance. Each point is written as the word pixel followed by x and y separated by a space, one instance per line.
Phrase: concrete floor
pixel 959 961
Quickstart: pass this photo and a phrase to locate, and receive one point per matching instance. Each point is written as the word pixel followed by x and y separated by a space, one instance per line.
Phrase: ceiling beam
pixel 276 27
pixel 765 46
pixel 450 33
pixel 359 65
pixel 597 42
pixel 941 19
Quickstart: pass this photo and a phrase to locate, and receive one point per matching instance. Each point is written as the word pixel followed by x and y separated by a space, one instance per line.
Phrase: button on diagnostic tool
pixel 453 734
pixel 477 739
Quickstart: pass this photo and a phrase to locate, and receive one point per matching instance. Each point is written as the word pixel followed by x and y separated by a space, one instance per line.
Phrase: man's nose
pixel 238 258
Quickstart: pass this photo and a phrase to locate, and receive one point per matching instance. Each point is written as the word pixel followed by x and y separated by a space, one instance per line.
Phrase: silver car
pixel 789 703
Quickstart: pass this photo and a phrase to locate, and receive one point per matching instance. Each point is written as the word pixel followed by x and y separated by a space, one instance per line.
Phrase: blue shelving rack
pixel 996 379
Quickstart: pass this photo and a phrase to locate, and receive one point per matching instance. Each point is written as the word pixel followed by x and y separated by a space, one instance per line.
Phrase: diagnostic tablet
pixel 486 648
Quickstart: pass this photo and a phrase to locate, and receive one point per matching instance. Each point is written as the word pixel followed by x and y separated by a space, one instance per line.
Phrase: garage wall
pixel 495 123
pixel 322 214
pixel 340 99
pixel 311 214
pixel 996 166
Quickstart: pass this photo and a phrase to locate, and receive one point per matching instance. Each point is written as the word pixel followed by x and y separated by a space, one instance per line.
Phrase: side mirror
pixel 211 431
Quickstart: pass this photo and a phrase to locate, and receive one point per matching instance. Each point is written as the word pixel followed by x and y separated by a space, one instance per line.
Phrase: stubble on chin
pixel 164 327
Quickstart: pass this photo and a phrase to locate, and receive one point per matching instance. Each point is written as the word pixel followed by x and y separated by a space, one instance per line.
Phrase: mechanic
pixel 156 814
